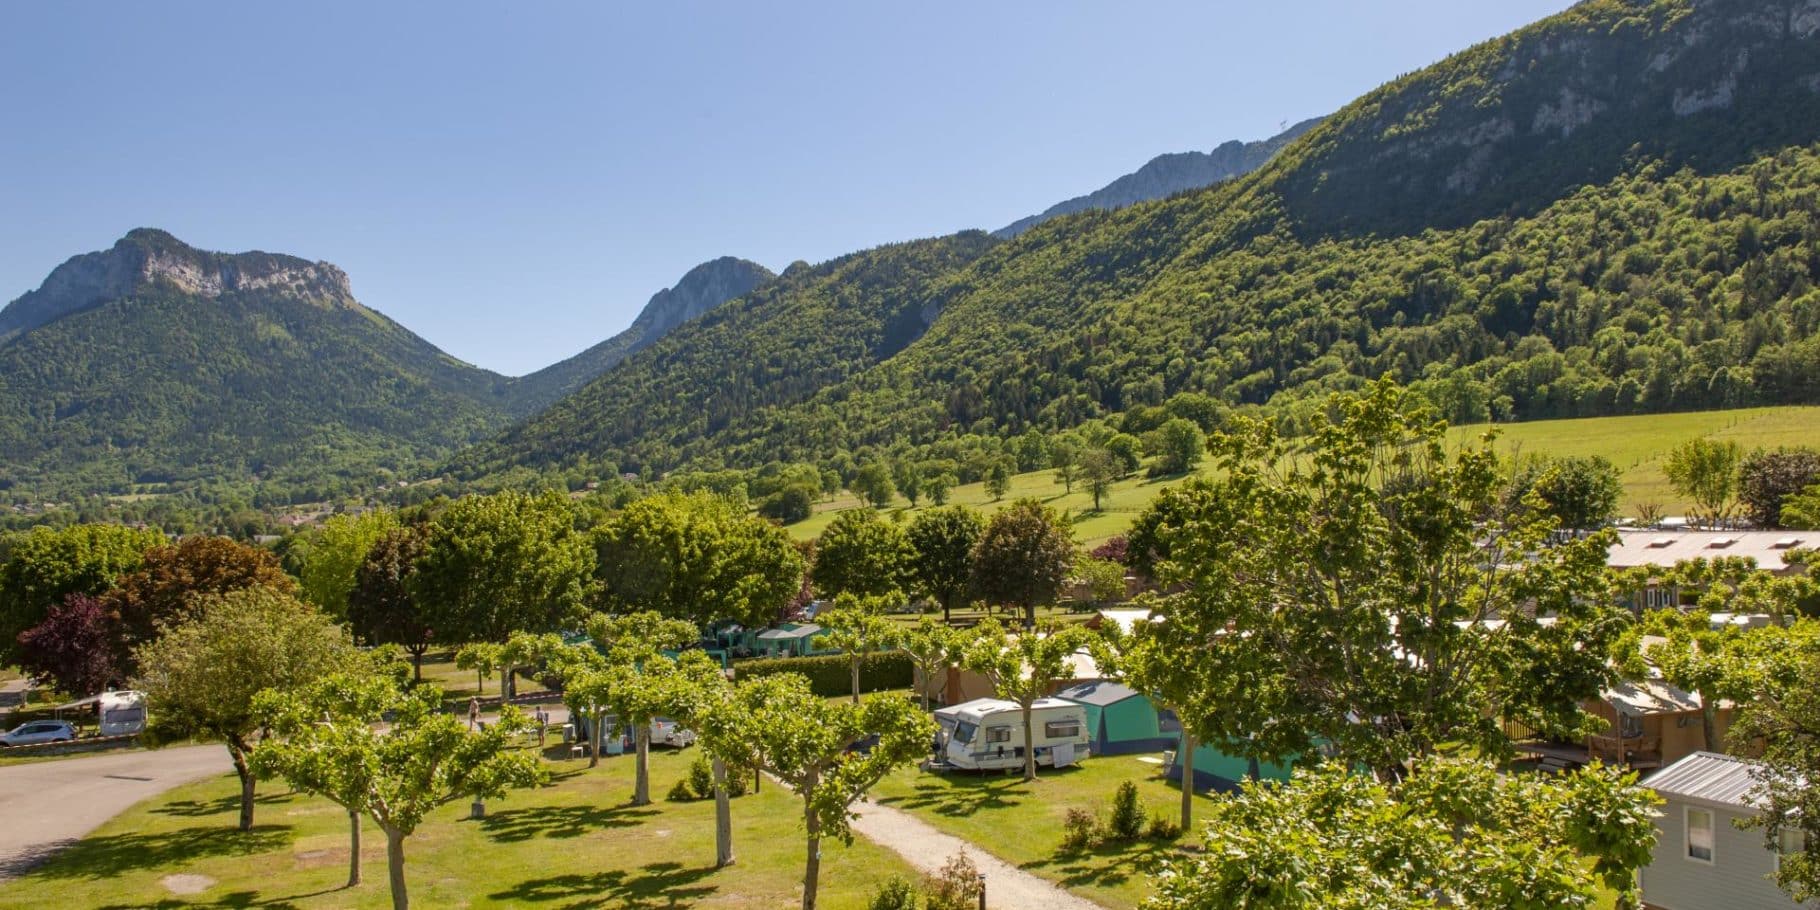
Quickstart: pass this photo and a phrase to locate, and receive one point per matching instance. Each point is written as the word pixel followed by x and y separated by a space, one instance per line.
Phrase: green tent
pixel 1121 720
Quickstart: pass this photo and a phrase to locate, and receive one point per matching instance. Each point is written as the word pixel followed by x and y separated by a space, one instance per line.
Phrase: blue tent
pixel 1121 720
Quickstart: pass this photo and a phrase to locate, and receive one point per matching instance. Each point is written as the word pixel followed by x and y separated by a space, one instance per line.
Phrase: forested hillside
pixel 153 363
pixel 1610 211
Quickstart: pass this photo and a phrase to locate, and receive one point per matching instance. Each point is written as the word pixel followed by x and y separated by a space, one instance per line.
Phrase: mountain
pixel 1610 211
pixel 1166 175
pixel 702 289
pixel 156 363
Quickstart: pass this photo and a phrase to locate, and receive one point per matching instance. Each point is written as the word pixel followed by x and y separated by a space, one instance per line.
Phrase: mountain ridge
pixel 1168 174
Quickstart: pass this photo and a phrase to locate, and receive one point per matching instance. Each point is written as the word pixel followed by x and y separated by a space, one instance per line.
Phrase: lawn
pixel 458 685
pixel 1021 823
pixel 576 844
pixel 1636 444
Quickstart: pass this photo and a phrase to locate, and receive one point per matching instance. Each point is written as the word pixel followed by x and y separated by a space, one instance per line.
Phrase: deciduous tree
pixel 1023 667
pixel 381 610
pixel 496 564
pixel 75 648
pixel 942 542
pixel 200 677
pixel 46 565
pixel 1705 471
pixel 1767 477
pixel 857 627
pixel 807 742
pixel 333 554
pixel 1023 557
pixel 1581 493
pixel 695 558
pixel 862 555
pixel 172 578
pixel 933 647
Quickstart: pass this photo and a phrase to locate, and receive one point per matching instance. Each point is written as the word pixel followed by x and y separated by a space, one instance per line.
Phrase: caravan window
pixel 1062 729
pixel 998 734
pixel 963 732
pixel 1699 835
pixel 132 715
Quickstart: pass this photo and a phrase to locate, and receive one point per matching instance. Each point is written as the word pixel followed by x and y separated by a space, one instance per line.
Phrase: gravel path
pixel 1007 887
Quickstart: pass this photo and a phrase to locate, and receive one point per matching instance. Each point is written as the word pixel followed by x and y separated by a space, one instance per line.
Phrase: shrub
pixel 1127 822
pixel 955 887
pixel 1162 827
pixel 1080 830
pixel 700 777
pixel 830 675
pixel 680 793
pixel 897 893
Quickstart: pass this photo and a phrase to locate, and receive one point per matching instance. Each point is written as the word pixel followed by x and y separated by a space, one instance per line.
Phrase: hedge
pixel 832 674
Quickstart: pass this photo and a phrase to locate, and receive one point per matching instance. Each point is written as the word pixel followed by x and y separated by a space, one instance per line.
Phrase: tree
pixel 857 627
pixel 1691 656
pixel 74 648
pixel 334 553
pixel 523 650
pixel 1099 470
pixel 1580 493
pixel 942 542
pixel 1104 579
pixel 932 647
pixel 1456 833
pixel 908 479
pixel 1802 510
pixel 1766 478
pixel 173 578
pixel 873 484
pixel 1126 450
pixel 1065 458
pixel 1023 667
pixel 696 558
pixel 791 504
pixel 1705 471
pixel 201 676
pixel 496 564
pixel 807 742
pixel 381 610
pixel 703 701
pixel 998 480
pixel 1175 447
pixel 938 486
pixel 860 554
pixel 1342 598
pixel 1023 557
pixel 1784 712
pixel 640 683
pixel 482 657
pixel 46 565
pixel 328 741
pixel 1138 658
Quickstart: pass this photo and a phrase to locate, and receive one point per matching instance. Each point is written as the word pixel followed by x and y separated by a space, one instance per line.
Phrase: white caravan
pixel 988 734
pixel 121 713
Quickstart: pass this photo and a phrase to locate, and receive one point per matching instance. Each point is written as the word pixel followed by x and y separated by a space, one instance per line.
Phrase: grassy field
pixel 1636 445
pixel 574 845
pixel 458 685
pixel 1022 823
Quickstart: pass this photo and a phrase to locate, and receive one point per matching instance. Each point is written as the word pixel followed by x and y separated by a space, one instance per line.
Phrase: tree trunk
pixel 641 788
pixel 417 664
pixel 855 663
pixel 353 848
pixel 238 750
pixel 595 738
pixel 1029 616
pixel 812 867
pixel 394 862
pixel 1187 760
pixel 505 684
pixel 723 817
pixel 1029 746
pixel 480 682
pixel 948 611
pixel 1709 723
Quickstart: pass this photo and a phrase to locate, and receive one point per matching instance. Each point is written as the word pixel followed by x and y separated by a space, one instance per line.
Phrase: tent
pixel 1214 769
pixel 1122 720
pixel 788 640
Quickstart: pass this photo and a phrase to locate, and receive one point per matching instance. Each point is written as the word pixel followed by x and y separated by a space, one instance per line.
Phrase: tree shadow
pixel 556 822
pixel 961 794
pixel 190 808
pixel 232 900
pixel 1108 865
pixel 653 885
pixel 111 855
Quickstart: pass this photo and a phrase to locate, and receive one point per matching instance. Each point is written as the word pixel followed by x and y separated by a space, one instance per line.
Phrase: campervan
pixel 988 734
pixel 121 713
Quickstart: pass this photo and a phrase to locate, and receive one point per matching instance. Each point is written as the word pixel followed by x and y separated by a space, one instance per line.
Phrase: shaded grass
pixel 576 844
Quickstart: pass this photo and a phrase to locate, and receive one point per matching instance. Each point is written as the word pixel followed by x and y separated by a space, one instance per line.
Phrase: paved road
pixel 1007 886
pixel 48 805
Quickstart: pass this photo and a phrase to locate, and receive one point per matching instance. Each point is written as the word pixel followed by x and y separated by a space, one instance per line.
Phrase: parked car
pixel 38 731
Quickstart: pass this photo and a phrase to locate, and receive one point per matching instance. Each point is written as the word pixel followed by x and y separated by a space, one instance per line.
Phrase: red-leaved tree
pixel 74 647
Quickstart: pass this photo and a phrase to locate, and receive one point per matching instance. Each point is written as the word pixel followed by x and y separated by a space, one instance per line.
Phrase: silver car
pixel 38 731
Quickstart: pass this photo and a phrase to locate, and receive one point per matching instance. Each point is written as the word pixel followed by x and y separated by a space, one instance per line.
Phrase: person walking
pixel 473 713
pixel 543 725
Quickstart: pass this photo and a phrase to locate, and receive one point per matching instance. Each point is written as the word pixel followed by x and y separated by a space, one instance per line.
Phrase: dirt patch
pixel 186 884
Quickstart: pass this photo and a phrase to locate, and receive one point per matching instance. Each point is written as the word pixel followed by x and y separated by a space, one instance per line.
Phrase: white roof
pixel 1127 618
pixel 1650 696
pixel 1664 548
pixel 1708 777
pixel 982 707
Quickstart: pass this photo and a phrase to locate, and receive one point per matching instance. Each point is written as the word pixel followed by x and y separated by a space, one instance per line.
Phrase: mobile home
pixel 988 734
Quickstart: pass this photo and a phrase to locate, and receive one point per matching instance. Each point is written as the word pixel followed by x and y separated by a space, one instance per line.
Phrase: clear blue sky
pixel 513 180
